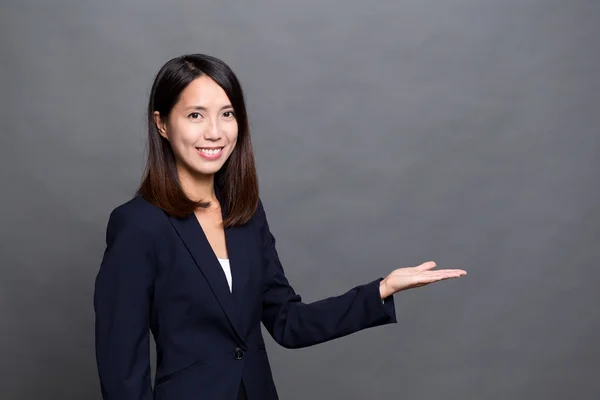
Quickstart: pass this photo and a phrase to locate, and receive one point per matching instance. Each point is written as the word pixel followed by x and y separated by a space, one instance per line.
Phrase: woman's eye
pixel 194 115
pixel 228 114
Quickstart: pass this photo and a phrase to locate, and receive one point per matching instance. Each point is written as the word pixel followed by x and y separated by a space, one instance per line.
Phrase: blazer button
pixel 238 353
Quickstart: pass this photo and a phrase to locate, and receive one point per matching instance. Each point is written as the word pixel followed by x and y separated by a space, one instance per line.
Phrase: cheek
pixel 182 138
pixel 181 147
pixel 233 135
pixel 233 143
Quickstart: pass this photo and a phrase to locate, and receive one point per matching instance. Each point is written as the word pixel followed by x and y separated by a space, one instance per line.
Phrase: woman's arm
pixel 294 324
pixel 122 298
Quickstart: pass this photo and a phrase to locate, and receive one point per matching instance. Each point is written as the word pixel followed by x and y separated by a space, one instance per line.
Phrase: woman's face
pixel 201 128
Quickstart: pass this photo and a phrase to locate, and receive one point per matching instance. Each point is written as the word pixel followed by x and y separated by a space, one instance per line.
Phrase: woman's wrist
pixel 383 290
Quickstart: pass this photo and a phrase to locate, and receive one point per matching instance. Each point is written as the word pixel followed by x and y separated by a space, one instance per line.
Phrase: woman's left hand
pixel 412 277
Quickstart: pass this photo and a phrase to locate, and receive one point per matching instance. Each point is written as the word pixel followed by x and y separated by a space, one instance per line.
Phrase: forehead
pixel 205 92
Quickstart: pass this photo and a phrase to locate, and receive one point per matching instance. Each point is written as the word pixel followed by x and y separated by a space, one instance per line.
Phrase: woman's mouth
pixel 210 153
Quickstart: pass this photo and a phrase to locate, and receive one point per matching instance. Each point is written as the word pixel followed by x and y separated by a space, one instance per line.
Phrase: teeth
pixel 211 152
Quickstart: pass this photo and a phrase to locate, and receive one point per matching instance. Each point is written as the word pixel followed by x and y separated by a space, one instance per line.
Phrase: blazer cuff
pixel 386 308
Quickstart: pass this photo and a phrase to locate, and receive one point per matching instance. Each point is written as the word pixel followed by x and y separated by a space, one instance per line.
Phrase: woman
pixel 191 258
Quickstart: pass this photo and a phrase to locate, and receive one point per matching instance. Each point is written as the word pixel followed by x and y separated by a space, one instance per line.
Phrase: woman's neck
pixel 198 187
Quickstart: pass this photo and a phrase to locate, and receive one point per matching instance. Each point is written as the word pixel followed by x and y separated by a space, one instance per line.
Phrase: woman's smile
pixel 210 153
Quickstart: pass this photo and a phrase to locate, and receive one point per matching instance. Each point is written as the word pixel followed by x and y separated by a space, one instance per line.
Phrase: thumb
pixel 427 265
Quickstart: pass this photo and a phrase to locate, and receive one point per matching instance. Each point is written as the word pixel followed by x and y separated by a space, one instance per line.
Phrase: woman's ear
pixel 161 125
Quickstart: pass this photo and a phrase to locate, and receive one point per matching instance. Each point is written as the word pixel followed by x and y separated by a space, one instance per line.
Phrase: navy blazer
pixel 159 274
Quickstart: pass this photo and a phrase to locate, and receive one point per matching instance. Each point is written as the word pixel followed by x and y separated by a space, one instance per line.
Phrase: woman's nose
pixel 213 131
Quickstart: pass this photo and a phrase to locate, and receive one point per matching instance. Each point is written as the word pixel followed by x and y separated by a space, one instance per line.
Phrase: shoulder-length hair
pixel 236 183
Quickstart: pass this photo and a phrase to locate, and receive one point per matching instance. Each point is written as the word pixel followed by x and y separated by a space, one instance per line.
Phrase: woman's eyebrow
pixel 202 108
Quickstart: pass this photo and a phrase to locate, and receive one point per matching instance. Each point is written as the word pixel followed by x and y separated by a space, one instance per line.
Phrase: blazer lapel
pixel 195 240
pixel 236 250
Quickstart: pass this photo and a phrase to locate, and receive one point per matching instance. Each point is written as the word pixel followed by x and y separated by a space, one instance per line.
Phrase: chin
pixel 208 170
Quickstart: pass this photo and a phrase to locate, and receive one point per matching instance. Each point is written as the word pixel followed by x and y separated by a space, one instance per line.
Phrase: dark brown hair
pixel 236 183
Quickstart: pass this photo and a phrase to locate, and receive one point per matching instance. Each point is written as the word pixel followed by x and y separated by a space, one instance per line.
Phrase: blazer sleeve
pixel 294 324
pixel 122 298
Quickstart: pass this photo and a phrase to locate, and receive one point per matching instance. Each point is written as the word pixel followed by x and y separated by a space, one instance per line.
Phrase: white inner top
pixel 227 269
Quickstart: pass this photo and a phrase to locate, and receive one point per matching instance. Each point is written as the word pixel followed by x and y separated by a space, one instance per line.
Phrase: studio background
pixel 386 134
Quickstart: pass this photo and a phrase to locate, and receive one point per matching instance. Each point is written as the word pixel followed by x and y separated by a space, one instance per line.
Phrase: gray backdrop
pixel 386 134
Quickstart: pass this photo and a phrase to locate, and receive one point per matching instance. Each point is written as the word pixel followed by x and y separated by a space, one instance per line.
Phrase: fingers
pixel 453 272
pixel 422 274
pixel 435 276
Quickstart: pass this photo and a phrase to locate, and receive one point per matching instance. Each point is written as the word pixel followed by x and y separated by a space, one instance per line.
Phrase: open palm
pixel 412 277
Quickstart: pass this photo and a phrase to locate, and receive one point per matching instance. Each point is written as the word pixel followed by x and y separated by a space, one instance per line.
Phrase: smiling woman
pixel 191 258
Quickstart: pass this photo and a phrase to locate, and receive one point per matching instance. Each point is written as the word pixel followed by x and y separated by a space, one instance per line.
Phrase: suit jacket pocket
pixel 172 375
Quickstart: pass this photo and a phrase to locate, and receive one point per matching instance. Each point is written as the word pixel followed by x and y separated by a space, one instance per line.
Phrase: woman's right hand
pixel 412 277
